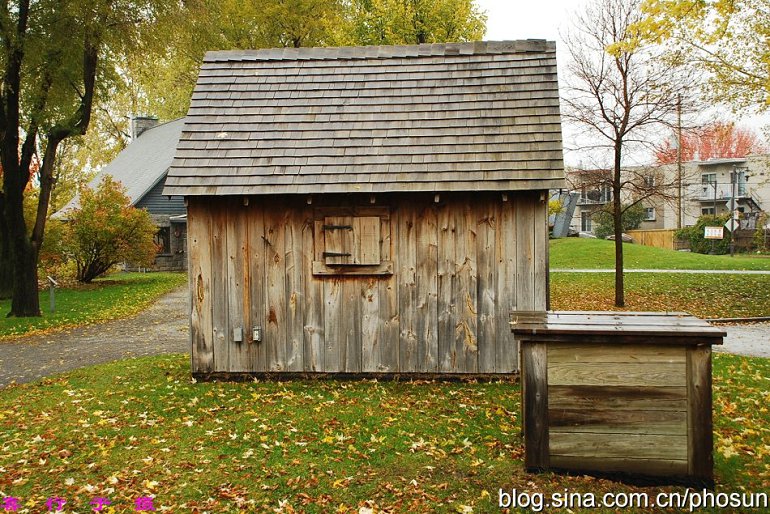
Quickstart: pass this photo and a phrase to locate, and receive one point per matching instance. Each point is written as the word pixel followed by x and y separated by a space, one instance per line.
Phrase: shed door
pixel 351 240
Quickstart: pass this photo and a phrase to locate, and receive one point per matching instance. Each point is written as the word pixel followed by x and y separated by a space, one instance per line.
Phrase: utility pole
pixel 733 177
pixel 679 160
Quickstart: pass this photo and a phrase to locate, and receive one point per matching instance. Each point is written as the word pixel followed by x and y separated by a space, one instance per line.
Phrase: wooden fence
pixel 663 238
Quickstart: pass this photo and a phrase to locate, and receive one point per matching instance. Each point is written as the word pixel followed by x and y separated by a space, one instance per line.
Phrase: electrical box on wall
pixel 238 334
pixel 256 334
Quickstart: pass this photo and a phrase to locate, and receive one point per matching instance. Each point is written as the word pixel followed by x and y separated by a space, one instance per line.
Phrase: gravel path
pixel 163 328
pixel 750 339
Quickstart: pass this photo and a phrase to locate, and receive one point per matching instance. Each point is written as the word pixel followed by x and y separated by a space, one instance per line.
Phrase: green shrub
pixel 695 235
pixel 605 225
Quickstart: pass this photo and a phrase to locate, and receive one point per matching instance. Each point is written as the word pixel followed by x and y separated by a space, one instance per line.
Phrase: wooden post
pixel 699 423
pixel 535 384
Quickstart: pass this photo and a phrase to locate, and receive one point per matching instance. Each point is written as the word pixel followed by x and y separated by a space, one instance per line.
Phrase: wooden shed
pixel 368 210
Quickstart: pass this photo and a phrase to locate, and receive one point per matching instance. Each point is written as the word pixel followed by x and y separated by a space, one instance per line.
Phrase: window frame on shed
pixel 352 241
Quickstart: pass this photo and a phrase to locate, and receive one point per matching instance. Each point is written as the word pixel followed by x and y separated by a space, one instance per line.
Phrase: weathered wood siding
pixel 618 408
pixel 459 267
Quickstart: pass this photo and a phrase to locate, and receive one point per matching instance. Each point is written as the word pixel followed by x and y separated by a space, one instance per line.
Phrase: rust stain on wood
pixel 200 288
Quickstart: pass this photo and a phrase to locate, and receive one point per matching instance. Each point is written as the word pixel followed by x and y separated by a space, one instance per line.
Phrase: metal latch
pixel 336 254
pixel 337 227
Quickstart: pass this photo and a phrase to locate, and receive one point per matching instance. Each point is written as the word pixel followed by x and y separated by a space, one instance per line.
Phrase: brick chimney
pixel 139 124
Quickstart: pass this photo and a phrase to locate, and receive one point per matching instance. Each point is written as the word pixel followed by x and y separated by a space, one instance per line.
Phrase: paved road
pixel 749 339
pixel 163 328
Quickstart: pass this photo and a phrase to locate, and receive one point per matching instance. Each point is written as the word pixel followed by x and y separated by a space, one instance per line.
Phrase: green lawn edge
pixel 583 253
pixel 119 295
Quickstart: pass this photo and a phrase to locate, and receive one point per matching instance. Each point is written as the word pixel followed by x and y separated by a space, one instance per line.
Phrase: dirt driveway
pixel 163 328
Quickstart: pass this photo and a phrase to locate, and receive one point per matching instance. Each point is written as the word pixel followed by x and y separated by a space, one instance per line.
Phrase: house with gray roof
pixel 371 210
pixel 141 167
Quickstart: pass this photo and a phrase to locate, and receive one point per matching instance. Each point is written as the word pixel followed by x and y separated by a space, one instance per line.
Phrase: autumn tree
pixel 106 230
pixel 726 38
pixel 395 22
pixel 617 93
pixel 716 140
pixel 55 58
pixel 176 44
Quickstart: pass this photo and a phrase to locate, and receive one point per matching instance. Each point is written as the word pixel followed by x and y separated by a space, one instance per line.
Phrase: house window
pixel 649 181
pixel 162 240
pixel 649 214
pixel 707 211
pixel 585 221
pixel 352 241
pixel 708 185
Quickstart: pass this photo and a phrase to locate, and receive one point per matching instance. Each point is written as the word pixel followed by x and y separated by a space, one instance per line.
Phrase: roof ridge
pixel 384 51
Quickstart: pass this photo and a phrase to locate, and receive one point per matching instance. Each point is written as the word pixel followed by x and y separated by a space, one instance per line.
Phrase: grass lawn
pixel 705 296
pixel 140 427
pixel 117 296
pixel 578 253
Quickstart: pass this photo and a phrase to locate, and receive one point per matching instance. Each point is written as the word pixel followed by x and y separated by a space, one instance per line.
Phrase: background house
pixel 708 187
pixel 141 167
pixel 368 210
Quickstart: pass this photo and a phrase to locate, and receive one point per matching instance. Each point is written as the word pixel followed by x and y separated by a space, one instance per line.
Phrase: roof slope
pixel 141 164
pixel 441 117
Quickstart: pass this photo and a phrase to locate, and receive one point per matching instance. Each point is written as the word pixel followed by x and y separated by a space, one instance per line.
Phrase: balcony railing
pixel 706 193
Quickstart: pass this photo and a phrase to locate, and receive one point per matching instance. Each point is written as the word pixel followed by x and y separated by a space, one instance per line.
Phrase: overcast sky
pixel 547 19
pixel 517 19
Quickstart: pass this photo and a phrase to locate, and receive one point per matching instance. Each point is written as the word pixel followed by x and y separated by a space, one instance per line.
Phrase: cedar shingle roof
pixel 441 117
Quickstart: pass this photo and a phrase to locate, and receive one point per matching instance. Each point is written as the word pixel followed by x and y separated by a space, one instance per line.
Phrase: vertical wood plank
pixel 366 240
pixel 426 323
pixel 699 417
pixel 333 354
pixel 447 230
pixel 525 253
pixel 540 221
pixel 199 266
pixel 297 298
pixel 219 286
pixel 257 278
pixel 506 348
pixel 370 324
pixel 465 292
pixel 236 287
pixel 350 318
pixel 410 335
pixel 388 317
pixel 535 398
pixel 314 304
pixel 486 234
pixel 275 291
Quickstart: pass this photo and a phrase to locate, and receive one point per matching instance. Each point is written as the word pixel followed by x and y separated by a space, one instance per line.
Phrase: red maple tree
pixel 717 140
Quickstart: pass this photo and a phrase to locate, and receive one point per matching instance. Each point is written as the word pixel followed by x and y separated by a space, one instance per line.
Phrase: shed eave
pixel 427 187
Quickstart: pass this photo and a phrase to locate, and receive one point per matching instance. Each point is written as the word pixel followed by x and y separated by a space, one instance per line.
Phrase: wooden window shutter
pixel 350 240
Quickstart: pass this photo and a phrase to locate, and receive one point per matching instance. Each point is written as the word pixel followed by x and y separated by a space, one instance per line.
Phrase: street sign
pixel 732 224
pixel 714 233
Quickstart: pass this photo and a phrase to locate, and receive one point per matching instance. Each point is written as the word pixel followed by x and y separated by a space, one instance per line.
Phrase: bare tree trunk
pixel 617 215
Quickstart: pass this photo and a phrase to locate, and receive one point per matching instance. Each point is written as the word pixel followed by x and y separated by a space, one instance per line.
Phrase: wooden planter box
pixel 620 393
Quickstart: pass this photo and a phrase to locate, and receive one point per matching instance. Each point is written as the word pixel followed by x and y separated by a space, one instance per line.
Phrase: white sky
pixel 547 19
pixel 533 19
